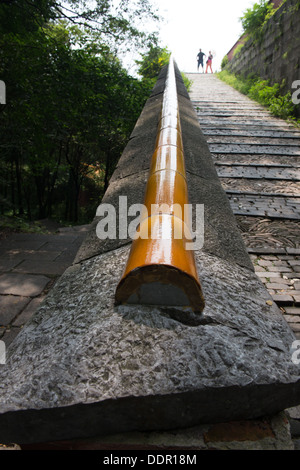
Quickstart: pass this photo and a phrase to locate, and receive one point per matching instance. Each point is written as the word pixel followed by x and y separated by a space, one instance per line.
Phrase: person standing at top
pixel 200 57
pixel 209 62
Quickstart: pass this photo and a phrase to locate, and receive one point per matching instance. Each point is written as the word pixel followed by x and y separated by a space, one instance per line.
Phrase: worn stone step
pixel 233 148
pixel 269 188
pixel 254 172
pixel 257 123
pixel 249 159
pixel 240 132
pixel 251 141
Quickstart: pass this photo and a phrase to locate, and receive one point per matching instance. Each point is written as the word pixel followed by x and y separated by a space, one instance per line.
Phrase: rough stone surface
pixel 82 367
pixel 133 187
pixel 130 178
pixel 98 369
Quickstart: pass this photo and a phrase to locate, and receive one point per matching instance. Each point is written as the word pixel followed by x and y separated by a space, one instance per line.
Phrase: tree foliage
pixel 107 21
pixel 254 18
pixel 70 105
pixel 270 96
pixel 152 61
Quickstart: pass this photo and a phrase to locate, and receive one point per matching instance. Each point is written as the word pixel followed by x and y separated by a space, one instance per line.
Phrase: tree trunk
pixel 12 186
pixel 19 185
pixel 107 169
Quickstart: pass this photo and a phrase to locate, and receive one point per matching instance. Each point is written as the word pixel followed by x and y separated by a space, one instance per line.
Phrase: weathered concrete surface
pixel 130 177
pixel 133 187
pixel 83 367
pixel 29 265
pixel 18 284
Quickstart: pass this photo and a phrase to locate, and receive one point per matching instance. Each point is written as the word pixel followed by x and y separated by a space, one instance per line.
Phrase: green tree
pixel 69 112
pixel 116 22
pixel 254 18
pixel 153 61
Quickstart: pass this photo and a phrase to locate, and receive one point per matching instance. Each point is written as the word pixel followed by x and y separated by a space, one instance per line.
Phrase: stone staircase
pixel 257 157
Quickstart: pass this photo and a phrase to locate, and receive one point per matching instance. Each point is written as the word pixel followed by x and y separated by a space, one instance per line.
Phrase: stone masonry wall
pixel 277 58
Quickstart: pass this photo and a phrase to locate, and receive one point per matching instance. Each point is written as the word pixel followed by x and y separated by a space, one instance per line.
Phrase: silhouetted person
pixel 200 57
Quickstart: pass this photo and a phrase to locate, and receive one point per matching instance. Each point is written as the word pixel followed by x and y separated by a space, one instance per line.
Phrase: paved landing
pixel 29 266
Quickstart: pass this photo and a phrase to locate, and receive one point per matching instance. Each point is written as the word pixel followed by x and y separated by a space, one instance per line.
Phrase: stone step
pixel 233 148
pixel 254 172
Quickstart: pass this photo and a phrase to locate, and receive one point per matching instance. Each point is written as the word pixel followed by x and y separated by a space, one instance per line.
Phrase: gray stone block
pixel 133 187
pixel 8 248
pixel 28 285
pixel 49 268
pixel 28 311
pixel 84 367
pixel 197 155
pixel 6 264
pixel 221 235
pixel 10 307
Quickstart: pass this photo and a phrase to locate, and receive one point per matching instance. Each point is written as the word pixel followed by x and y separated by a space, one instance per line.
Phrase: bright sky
pixel 212 25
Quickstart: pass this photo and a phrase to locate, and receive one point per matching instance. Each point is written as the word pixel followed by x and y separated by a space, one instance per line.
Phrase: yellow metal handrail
pixel 160 269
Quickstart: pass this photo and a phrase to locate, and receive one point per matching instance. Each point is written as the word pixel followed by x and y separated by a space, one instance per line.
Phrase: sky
pixel 212 25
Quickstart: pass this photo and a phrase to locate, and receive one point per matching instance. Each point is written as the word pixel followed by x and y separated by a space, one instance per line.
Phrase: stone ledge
pixel 83 367
pixel 97 369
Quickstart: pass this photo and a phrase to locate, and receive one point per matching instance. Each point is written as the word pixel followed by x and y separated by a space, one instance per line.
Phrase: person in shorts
pixel 200 57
